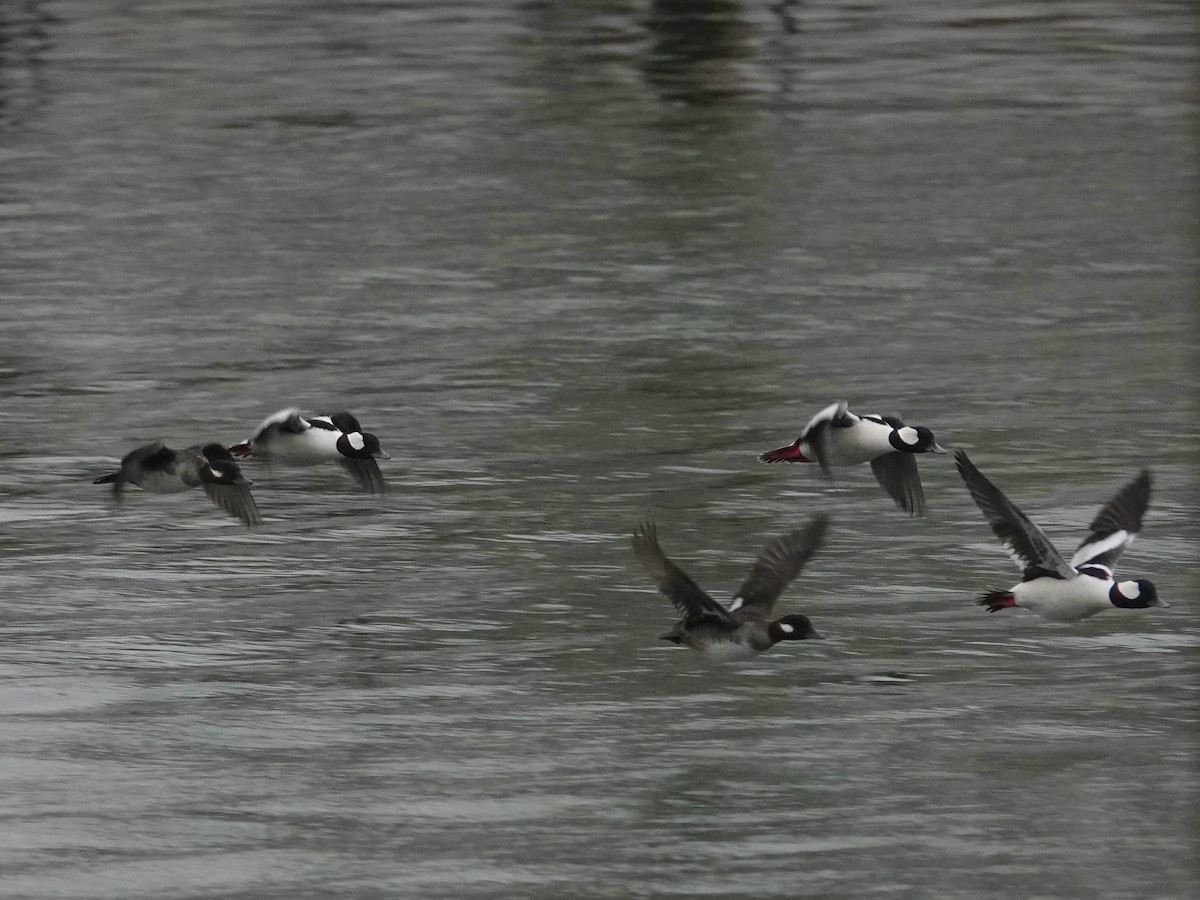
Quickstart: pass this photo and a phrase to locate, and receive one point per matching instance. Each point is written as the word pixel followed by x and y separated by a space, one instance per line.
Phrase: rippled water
pixel 577 264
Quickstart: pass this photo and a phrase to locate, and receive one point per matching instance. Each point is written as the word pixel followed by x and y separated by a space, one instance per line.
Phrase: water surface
pixel 576 265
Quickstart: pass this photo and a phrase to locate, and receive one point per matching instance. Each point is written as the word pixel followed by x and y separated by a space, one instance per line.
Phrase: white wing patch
pixel 828 413
pixel 279 418
pixel 1100 547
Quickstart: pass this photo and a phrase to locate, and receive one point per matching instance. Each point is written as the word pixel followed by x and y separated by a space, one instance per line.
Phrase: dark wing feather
pixel 897 474
pixel 1025 542
pixel 345 422
pixel 818 437
pixel 1116 525
pixel 288 421
pixel 685 595
pixel 780 562
pixel 236 500
pixel 366 473
pixel 818 431
pixel 156 457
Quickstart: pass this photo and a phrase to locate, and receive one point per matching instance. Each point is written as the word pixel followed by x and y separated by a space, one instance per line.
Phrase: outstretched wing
pixel 780 562
pixel 1114 528
pixel 685 595
pixel 345 422
pixel 235 499
pixel 286 420
pixel 1026 543
pixel 897 474
pixel 817 432
pixel 366 473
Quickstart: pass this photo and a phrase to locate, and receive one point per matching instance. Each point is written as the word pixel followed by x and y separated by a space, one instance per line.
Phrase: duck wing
pixel 224 483
pixel 897 474
pixel 366 473
pixel 780 562
pixel 345 422
pixel 819 430
pixel 234 499
pixel 1114 528
pixel 685 595
pixel 288 421
pixel 1026 543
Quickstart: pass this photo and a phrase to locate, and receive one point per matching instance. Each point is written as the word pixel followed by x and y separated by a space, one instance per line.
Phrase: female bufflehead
pixel 288 438
pixel 744 628
pixel 1050 586
pixel 161 470
pixel 837 437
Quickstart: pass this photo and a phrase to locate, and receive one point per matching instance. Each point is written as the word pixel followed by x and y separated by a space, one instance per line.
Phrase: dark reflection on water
pixel 577 264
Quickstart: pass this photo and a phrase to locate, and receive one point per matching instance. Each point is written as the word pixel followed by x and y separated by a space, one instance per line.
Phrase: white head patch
pixel 786 628
pixel 1130 589
pixel 356 440
pixel 737 604
pixel 908 435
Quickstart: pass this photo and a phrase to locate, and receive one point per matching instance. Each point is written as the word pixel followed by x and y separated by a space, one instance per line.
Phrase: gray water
pixel 576 264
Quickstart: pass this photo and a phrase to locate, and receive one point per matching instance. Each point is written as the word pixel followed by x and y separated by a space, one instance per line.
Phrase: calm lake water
pixel 576 264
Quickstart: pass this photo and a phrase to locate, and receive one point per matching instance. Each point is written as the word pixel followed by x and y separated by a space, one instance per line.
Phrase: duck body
pixel 836 437
pixel 751 636
pixel 744 628
pixel 159 469
pixel 289 438
pixel 1052 587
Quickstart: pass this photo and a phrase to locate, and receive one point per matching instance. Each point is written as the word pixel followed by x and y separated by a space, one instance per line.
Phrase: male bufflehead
pixel 1050 586
pixel 744 628
pixel 289 438
pixel 159 469
pixel 837 437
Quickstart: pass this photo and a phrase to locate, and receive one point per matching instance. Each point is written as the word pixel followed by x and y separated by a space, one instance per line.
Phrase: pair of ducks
pixel 1050 586
pixel 285 437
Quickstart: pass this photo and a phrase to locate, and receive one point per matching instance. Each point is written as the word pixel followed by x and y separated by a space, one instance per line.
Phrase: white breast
pixel 316 445
pixel 1064 601
pixel 858 444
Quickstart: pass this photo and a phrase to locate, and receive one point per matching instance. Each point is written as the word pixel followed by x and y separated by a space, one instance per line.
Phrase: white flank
pixel 1063 601
pixel 860 443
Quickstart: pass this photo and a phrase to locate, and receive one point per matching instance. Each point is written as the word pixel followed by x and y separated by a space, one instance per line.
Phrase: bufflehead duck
pixel 744 628
pixel 1050 586
pixel 159 469
pixel 837 437
pixel 289 438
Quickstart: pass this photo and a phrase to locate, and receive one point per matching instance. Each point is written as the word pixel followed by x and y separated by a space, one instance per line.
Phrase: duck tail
pixel 790 453
pixel 997 600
